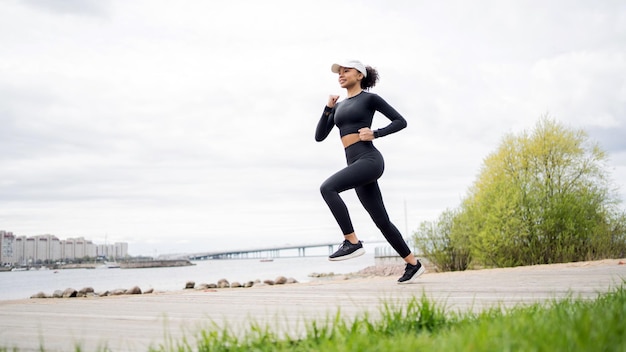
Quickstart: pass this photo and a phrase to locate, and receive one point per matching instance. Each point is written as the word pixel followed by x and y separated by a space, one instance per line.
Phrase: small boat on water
pixel 108 265
pixel 264 260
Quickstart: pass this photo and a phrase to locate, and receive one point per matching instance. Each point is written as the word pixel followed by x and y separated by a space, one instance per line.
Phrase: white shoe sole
pixel 412 280
pixel 359 252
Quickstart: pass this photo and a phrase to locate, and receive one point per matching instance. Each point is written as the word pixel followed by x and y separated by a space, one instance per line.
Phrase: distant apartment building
pixel 22 250
pixel 7 248
pixel 114 251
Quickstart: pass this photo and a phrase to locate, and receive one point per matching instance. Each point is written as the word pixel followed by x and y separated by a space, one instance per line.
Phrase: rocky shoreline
pixel 136 290
pixel 90 292
pixel 375 270
pixel 371 271
pixel 384 270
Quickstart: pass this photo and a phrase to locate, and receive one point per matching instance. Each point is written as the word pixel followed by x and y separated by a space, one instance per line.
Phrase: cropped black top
pixel 357 112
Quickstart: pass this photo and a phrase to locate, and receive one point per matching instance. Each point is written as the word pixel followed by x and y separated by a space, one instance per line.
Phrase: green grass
pixel 570 324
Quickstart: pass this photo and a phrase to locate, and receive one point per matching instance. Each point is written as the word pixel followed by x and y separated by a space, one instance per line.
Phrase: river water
pixel 23 284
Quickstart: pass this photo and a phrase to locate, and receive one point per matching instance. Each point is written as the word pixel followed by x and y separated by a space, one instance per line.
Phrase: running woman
pixel 353 116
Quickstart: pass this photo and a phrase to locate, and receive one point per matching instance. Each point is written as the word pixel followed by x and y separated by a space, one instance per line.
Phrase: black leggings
pixel 365 166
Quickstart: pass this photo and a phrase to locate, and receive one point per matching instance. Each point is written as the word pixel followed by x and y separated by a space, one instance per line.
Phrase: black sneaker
pixel 411 272
pixel 347 250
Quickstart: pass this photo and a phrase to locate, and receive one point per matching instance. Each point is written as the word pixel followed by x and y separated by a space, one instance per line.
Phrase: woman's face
pixel 348 77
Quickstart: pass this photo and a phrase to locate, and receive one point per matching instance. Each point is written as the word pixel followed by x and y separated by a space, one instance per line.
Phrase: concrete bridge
pixel 267 252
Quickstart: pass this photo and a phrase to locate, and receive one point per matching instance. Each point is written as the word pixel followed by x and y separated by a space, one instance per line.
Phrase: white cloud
pixel 71 7
pixel 583 87
pixel 190 124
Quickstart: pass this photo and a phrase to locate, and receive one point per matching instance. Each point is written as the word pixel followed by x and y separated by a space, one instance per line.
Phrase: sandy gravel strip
pixel 132 323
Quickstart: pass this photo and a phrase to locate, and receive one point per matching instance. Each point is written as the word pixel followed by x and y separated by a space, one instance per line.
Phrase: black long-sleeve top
pixel 357 112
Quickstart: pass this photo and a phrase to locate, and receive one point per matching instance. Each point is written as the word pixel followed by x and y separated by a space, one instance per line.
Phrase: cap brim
pixel 349 64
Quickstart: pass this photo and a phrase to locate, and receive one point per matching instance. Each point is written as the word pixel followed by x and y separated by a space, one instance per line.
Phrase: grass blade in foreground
pixel 571 324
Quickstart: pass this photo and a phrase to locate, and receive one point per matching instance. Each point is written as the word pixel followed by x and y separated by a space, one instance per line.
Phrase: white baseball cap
pixel 355 64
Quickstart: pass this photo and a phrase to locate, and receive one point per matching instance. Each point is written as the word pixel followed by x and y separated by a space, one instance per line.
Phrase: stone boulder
pixel 39 295
pixel 117 292
pixel 148 291
pixel 57 294
pixel 86 290
pixel 135 290
pixel 248 284
pixel 269 282
pixel 281 280
pixel 69 292
pixel 235 284
pixel 223 283
pixel 190 285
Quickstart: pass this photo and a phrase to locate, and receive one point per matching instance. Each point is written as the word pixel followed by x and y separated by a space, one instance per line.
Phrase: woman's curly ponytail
pixel 371 79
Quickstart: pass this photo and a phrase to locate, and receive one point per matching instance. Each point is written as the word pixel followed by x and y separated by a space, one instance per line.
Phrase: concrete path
pixel 133 323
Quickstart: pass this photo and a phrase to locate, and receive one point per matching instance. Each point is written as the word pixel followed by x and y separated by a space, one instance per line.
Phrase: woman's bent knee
pixel 326 189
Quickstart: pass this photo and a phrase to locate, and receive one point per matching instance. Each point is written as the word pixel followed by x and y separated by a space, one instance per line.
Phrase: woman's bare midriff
pixel 350 139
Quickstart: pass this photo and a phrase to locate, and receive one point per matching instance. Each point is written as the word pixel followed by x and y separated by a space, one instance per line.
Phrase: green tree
pixel 442 242
pixel 542 197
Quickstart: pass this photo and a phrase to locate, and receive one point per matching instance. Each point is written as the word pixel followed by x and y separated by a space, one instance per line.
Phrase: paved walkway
pixel 132 323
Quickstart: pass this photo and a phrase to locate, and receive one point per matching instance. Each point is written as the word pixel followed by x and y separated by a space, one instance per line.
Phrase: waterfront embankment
pixel 135 322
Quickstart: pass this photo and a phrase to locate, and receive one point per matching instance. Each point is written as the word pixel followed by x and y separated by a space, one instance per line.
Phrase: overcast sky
pixel 182 126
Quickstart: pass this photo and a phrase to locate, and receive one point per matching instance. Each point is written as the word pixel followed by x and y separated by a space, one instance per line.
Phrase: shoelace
pixel 407 272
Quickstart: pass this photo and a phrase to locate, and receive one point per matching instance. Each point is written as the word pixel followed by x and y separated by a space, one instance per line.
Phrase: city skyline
pixel 23 250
